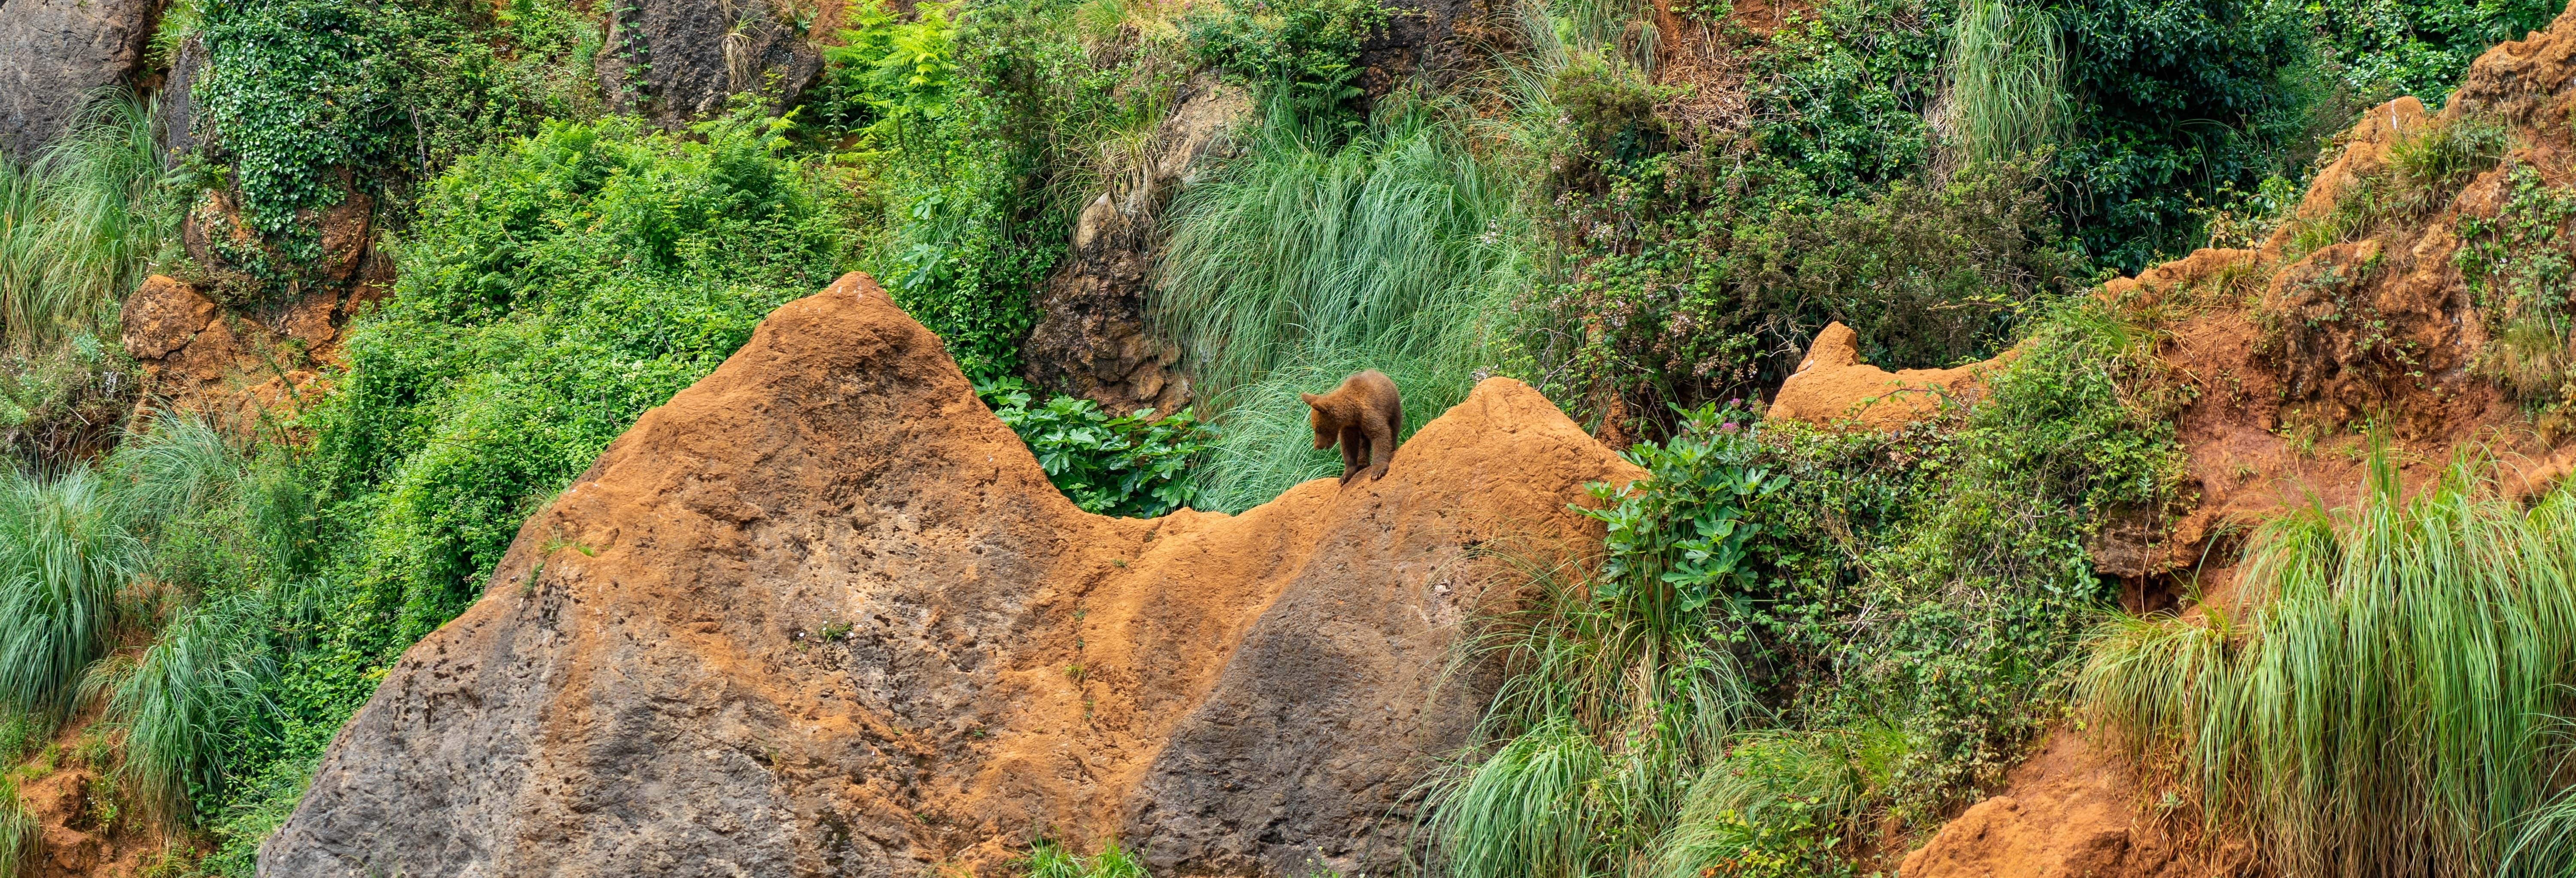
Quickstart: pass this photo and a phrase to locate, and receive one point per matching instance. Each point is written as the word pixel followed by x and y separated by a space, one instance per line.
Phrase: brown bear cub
pixel 1364 415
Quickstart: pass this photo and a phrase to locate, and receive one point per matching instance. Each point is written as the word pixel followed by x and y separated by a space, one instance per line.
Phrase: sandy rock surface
pixel 1832 385
pixel 823 614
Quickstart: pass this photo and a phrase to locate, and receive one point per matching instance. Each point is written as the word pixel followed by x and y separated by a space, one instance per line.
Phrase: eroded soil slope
pixel 2353 318
pixel 823 614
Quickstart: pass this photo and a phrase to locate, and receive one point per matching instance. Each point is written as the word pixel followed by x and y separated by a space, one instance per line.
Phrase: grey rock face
pixel 54 55
pixel 677 61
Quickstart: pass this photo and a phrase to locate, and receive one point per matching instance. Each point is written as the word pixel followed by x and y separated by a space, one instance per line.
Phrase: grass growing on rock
pixel 2402 656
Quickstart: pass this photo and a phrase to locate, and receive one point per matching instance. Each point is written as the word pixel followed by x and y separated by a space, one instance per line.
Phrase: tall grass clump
pixel 2385 705
pixel 65 553
pixel 79 225
pixel 2004 92
pixel 198 682
pixel 1307 260
pixel 1620 686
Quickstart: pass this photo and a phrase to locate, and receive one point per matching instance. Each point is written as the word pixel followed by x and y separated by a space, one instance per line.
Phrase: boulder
pixel 56 54
pixel 822 613
pixel 677 61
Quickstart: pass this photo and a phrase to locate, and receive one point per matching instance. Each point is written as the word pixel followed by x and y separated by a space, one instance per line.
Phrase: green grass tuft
pixel 79 225
pixel 20 837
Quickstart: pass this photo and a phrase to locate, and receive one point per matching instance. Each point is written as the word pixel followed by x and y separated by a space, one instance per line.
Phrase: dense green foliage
pixel 1868 624
pixel 1133 464
pixel 2409 656
pixel 305 101
pixel 2384 48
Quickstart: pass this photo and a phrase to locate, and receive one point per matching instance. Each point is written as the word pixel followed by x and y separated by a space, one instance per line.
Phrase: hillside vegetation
pixel 1800 647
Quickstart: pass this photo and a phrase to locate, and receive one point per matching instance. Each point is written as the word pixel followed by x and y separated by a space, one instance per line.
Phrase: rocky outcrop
pixel 200 359
pixel 822 613
pixel 54 55
pixel 677 61
pixel 1092 338
pixel 1833 386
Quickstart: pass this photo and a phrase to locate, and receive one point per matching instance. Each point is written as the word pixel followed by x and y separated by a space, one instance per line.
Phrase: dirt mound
pixel 823 614
pixel 1832 385
pixel 2069 812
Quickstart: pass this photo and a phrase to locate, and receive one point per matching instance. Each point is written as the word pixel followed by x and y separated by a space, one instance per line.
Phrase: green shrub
pixel 2398 657
pixel 1876 624
pixel 1303 53
pixel 2517 265
pixel 980 156
pixel 1128 465
pixel 889 77
pixel 2181 98
pixel 298 93
pixel 1621 685
pixel 1722 303
pixel 2380 49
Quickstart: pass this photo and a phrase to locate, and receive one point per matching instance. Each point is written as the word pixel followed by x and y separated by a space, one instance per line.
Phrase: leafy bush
pixel 2402 656
pixel 889 76
pixel 1304 53
pixel 1127 465
pixel 1721 303
pixel 2380 49
pixel 297 93
pixel 2517 264
pixel 1621 683
pixel 2181 97
pixel 1850 624
pixel 991 142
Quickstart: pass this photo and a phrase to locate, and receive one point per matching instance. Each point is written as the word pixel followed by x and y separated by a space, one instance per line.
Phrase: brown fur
pixel 1365 416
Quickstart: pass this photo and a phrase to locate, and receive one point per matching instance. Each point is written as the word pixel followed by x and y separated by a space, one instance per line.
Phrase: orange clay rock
pixel 2069 812
pixel 1832 385
pixel 822 614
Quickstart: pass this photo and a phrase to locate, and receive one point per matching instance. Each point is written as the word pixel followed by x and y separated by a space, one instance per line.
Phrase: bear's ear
pixel 1309 398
